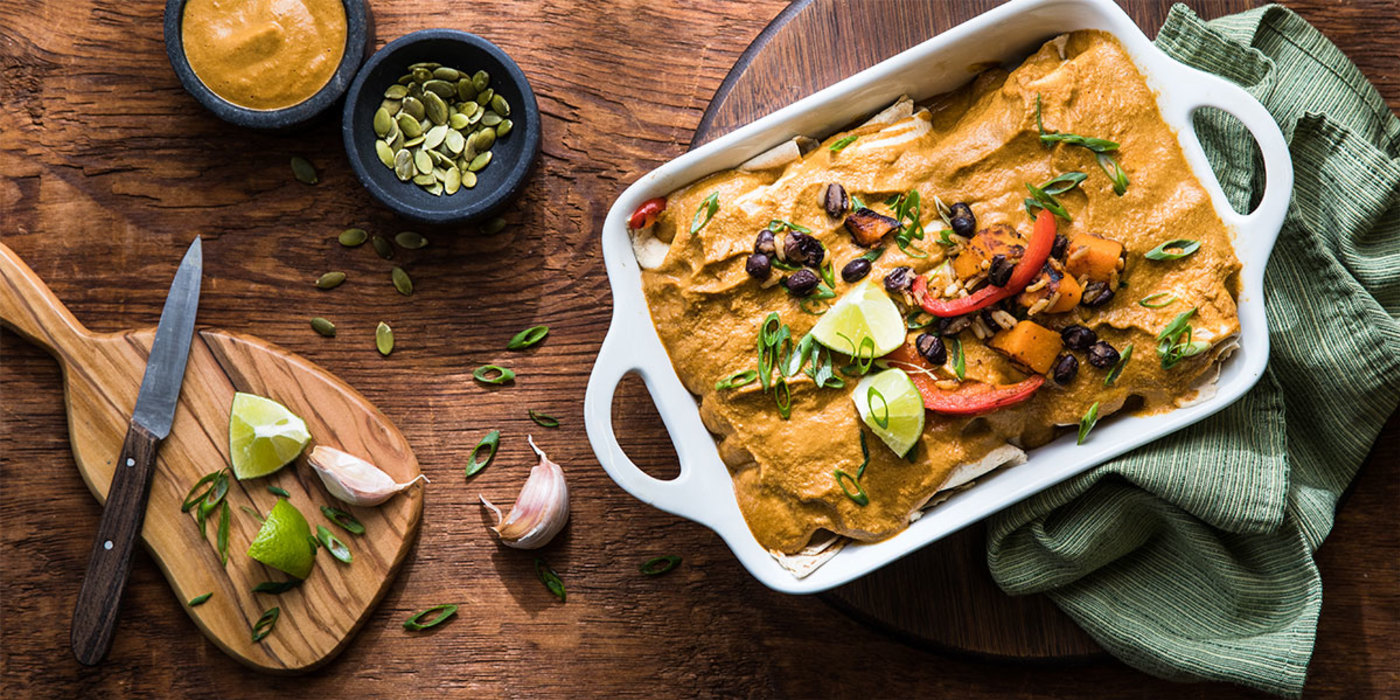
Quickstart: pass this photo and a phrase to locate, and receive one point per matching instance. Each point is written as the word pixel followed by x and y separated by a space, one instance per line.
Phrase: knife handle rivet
pixel 107 544
pixel 130 462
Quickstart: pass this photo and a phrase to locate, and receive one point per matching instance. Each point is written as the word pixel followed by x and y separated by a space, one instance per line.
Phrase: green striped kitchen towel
pixel 1191 558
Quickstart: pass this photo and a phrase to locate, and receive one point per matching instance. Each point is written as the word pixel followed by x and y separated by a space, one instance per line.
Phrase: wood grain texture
pixel 107 168
pixel 102 376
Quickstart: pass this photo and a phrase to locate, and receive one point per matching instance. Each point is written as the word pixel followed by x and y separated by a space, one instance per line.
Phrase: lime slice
pixel 263 436
pixel 283 543
pixel 891 405
pixel 864 312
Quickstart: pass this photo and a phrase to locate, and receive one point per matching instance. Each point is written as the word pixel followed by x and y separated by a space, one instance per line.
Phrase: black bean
pixel 801 283
pixel 835 200
pixel 931 348
pixel 764 243
pixel 1102 355
pixel 1057 249
pixel 954 325
pixel 899 279
pixel 1000 271
pixel 855 270
pixel 1097 294
pixel 961 219
pixel 803 249
pixel 1064 369
pixel 759 266
pixel 1078 337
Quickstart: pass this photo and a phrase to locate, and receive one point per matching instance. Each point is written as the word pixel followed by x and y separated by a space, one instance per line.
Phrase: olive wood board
pixel 943 595
pixel 102 374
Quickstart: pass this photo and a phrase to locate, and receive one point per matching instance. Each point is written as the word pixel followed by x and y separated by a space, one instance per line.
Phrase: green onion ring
pixel 527 337
pixel 345 520
pixel 265 623
pixel 550 579
pixel 859 496
pixel 660 565
pixel 444 612
pixel 1184 246
pixel 502 375
pixel 543 420
pixel 333 544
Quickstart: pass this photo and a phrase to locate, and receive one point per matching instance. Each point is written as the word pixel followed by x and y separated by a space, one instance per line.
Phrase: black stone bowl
pixel 359 39
pixel 513 156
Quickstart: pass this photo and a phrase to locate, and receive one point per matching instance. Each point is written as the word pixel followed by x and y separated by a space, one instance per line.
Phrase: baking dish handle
pixel 1208 90
pixel 636 349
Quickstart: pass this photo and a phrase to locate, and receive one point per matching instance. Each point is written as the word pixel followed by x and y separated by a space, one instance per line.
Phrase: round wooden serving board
pixel 943 595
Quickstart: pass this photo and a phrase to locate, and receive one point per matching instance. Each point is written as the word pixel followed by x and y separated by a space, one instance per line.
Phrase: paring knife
pixel 95 616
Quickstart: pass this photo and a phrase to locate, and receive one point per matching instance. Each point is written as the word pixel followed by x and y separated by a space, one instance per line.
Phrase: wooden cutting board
pixel 102 374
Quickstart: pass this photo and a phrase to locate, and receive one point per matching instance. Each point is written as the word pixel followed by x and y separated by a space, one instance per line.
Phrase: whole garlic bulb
pixel 540 511
pixel 352 479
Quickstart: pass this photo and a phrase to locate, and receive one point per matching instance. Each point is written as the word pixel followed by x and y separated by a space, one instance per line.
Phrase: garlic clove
pixel 352 479
pixel 540 511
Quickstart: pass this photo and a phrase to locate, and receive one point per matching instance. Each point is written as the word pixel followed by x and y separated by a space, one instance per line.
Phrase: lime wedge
pixel 892 407
pixel 263 436
pixel 864 312
pixel 283 542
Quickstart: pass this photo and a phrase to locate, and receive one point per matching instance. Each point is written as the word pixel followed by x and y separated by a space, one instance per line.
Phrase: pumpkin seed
pixel 409 126
pixel 352 237
pixel 470 109
pixel 465 90
pixel 453 181
pixel 448 74
pixel 434 189
pixel 454 141
pixel 410 240
pixel 504 128
pixel 483 98
pixel 381 246
pixel 435 135
pixel 403 165
pixel 468 179
pixel 423 162
pixel 401 281
pixel 494 226
pixel 457 120
pixel 424 180
pixel 485 139
pixel 425 64
pixel 491 119
pixel 396 92
pixel 421 74
pixel 413 141
pixel 441 88
pixel 322 326
pixel 480 161
pixel 391 106
pixel 304 171
pixel 385 153
pixel 413 107
pixel 500 106
pixel 384 338
pixel 405 79
pixel 436 109
pixel 330 280
pixel 480 80
pixel 382 120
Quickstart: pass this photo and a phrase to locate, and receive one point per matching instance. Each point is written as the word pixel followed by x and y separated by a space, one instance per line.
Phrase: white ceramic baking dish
pixel 704 493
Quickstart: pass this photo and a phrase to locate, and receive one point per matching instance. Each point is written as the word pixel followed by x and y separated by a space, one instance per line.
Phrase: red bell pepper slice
pixel 970 398
pixel 646 214
pixel 1037 252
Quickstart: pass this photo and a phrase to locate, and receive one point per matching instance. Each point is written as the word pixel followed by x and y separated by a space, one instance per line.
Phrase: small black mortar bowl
pixel 512 157
pixel 359 39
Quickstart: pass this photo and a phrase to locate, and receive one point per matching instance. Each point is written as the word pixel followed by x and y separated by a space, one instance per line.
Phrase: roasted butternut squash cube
pixel 868 227
pixel 1093 257
pixel 985 244
pixel 1055 281
pixel 1030 345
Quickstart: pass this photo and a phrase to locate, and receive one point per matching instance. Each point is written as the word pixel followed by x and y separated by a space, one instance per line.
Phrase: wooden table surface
pixel 109 169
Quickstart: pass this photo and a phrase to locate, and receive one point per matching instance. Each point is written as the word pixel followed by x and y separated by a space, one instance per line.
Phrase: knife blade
pixel 99 598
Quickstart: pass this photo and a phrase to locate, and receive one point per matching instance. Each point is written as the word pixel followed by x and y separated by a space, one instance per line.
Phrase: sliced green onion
pixel 780 225
pixel 847 483
pixel 828 273
pixel 769 337
pixel 1087 422
pixel 252 512
pixel 1150 301
pixel 223 534
pixel 708 208
pixel 490 443
pixel 550 579
pixel 1118 366
pixel 784 265
pixel 823 291
pixel 1114 171
pixel 1182 246
pixel 856 203
pixel 865 452
pixel 1047 201
pixel 217 493
pixel 813 307
pixel 959 362
pixel 444 612
pixel 200 516
pixel 870 396
pixel 1061 184
pixel 279 491
pixel 264 625
pixel 782 396
pixel 843 142
pixel 1039 122
pixel 873 255
pixel 528 337
pixel 543 420
pixel 333 544
pixel 276 587
pixel 798 357
pixel 199 600
pixel 196 495
pixel 1178 325
pixel 493 374
pixel 1096 145
pixel 345 520
pixel 660 565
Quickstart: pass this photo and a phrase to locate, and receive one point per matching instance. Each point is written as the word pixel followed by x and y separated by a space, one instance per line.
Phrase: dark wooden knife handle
pixel 95 615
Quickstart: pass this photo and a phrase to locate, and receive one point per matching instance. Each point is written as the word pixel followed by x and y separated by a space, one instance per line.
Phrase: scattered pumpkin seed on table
pixel 304 171
pixel 410 240
pixel 384 338
pixel 437 125
pixel 322 326
pixel 382 247
pixel 330 280
pixel 352 237
pixel 401 281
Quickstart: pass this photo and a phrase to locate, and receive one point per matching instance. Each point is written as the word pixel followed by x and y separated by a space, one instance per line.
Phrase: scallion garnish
pixel 882 420
pixel 828 273
pixel 199 600
pixel 489 443
pixel 864 452
pixel 782 396
pixel 914 325
pixel 847 483
pixel 333 544
pixel 265 623
pixel 660 565
pixel 708 208
pixel 908 210
pixel 223 534
pixel 196 495
pixel 771 321
pixel 252 512
pixel 1086 423
pixel 1178 325
pixel 1118 366
pixel 1061 184
pixel 1150 301
pixel 857 203
pixel 1182 247
pixel 787 266
pixel 798 357
pixel 543 420
pixel 550 579
pixel 1094 144
pixel 781 225
pixel 493 374
pixel 843 142
pixel 444 612
pixel 279 491
pixel 345 520
pixel 813 307
pixel 276 587
pixel 873 255
pixel 200 517
pixel 959 362
pixel 1114 171
pixel 528 337
pixel 1044 200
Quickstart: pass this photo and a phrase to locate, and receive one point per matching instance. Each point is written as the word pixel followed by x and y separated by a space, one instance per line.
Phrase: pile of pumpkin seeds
pixel 436 126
